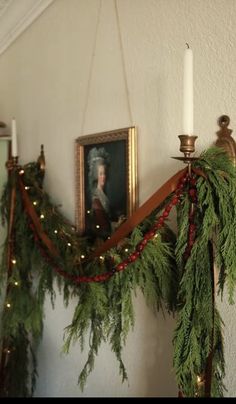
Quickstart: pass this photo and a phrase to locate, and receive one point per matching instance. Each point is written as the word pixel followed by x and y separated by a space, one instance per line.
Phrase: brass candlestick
pixel 187 146
pixel 12 163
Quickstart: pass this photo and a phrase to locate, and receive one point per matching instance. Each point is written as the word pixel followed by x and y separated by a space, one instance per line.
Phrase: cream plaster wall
pixel 44 84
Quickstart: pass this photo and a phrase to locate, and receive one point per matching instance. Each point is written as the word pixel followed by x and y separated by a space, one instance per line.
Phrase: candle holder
pixel 187 146
pixel 12 163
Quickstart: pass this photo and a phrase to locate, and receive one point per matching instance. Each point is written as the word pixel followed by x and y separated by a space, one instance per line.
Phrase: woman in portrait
pixel 100 210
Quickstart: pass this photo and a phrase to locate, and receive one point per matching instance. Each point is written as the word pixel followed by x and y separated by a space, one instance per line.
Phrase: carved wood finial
pixel 41 160
pixel 225 139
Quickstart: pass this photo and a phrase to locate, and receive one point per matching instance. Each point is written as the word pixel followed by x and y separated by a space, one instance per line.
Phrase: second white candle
pixel 13 138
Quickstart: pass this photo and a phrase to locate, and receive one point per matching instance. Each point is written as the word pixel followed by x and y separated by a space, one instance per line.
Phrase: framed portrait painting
pixel 106 181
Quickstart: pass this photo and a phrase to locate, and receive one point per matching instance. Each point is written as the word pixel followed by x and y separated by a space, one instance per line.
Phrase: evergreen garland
pixel 104 309
pixel 173 273
pixel 198 333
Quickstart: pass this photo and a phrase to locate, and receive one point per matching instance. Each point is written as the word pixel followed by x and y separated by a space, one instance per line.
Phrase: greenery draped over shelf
pixel 175 272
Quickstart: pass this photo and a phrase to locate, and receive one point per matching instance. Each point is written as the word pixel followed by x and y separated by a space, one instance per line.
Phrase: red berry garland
pixel 192 193
pixel 152 232
pixel 140 246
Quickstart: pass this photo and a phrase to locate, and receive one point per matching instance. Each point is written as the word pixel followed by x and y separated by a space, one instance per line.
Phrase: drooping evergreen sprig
pixel 105 310
pixel 169 278
pixel 220 191
pixel 22 314
pixel 198 333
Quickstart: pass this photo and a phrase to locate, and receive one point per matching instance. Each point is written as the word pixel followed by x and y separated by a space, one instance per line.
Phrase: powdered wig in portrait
pixel 96 157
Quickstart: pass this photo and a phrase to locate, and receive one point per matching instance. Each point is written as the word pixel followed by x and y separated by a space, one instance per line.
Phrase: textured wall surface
pixel 44 82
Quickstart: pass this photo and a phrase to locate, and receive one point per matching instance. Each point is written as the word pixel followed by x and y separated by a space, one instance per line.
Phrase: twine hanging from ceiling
pixel 91 67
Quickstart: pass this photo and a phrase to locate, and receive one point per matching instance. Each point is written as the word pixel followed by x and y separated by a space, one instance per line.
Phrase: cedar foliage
pixel 104 310
pixel 198 317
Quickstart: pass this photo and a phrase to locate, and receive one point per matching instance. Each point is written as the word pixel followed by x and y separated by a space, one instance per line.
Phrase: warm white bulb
pixel 97 226
pixel 42 216
pixel 13 261
pixel 16 283
pixel 35 203
pixel 55 231
pixel 21 172
pixel 69 244
pixel 8 305
pixel 126 249
pixel 26 188
pixel 82 256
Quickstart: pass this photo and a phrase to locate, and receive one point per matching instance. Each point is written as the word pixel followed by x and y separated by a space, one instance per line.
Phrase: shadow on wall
pixel 160 373
pixel 147 357
pixel 152 356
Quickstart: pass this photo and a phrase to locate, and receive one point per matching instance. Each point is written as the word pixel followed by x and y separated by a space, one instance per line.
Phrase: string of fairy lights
pixel 185 181
pixel 152 233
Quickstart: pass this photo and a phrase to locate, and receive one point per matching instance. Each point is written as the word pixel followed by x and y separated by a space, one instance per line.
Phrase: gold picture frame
pixel 118 149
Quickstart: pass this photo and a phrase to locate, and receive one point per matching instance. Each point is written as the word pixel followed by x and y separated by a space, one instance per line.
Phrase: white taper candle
pixel 13 138
pixel 188 92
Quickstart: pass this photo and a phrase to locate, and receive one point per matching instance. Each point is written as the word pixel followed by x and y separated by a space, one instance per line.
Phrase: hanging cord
pixel 92 64
pixel 123 62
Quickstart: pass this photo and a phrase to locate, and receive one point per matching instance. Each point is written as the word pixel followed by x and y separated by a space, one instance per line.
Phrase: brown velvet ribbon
pixel 139 215
pixel 10 229
pixel 10 235
pixel 209 363
pixel 35 220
